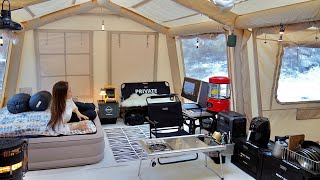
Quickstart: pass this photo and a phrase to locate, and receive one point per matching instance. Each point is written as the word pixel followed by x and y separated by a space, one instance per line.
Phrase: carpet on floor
pixel 124 142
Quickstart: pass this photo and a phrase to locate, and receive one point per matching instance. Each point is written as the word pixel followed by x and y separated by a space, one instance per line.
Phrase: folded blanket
pixel 91 128
pixel 32 124
pixel 135 100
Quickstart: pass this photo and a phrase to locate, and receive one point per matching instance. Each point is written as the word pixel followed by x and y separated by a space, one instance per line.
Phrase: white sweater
pixel 62 127
pixel 70 107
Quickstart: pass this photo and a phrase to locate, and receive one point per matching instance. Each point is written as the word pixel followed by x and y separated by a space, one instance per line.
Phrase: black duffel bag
pixel 134 118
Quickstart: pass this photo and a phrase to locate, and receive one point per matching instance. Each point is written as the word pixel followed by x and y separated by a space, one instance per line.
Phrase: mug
pixel 216 135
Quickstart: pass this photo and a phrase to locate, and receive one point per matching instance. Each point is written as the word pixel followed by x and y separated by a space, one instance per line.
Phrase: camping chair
pixel 166 119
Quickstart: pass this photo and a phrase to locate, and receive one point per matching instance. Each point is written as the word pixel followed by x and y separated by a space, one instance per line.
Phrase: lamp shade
pixel 5 20
pixel 102 92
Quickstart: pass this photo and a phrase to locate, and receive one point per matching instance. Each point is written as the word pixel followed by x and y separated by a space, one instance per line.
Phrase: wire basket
pixel 301 161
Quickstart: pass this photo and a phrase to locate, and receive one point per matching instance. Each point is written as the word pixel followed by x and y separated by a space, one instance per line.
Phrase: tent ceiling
pixel 49 7
pixel 168 13
pixel 164 12
pixel 21 15
pixel 251 6
pixel 18 4
pixel 198 18
pixel 99 11
pixel 81 1
pixel 127 3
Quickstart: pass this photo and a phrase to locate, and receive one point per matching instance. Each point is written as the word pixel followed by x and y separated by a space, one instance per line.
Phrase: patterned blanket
pixel 32 124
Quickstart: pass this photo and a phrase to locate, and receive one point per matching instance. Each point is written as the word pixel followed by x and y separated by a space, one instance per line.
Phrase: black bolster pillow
pixel 40 101
pixel 19 103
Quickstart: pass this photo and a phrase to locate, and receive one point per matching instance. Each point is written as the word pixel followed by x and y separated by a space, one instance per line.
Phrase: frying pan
pixel 306 144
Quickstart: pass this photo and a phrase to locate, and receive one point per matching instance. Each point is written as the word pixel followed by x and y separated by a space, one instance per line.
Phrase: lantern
pixel 219 94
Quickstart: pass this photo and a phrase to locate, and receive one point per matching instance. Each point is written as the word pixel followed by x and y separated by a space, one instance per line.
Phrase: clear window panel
pixel 225 91
pixel 299 75
pixel 3 59
pixel 209 59
pixel 219 91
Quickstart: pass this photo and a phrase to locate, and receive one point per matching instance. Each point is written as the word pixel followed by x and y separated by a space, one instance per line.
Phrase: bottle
pixel 279 145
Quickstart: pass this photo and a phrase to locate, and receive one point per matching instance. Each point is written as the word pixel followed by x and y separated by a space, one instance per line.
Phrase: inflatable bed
pixel 47 150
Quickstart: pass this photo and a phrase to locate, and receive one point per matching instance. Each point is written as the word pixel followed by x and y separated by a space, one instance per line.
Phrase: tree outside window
pixel 209 59
pixel 299 75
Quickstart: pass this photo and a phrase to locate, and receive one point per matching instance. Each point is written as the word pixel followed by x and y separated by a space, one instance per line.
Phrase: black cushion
pixel 19 103
pixel 40 101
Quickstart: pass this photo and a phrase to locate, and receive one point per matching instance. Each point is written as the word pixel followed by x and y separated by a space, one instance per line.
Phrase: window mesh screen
pixel 65 56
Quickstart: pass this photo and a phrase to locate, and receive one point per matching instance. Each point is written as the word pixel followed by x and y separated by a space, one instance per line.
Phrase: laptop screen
pixel 195 90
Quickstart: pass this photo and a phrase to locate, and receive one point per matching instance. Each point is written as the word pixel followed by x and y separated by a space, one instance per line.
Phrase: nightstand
pixel 108 112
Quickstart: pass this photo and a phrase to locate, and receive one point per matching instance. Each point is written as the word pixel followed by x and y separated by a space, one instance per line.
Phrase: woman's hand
pixel 82 126
pixel 81 116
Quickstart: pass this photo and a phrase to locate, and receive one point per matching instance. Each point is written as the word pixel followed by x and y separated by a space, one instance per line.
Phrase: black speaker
pixel 232 40
pixel 233 122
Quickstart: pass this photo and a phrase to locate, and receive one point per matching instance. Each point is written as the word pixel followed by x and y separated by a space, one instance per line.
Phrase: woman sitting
pixel 63 109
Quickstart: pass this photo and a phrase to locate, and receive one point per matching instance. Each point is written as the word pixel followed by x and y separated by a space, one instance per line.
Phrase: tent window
pixel 66 56
pixel 209 59
pixel 299 75
pixel 4 49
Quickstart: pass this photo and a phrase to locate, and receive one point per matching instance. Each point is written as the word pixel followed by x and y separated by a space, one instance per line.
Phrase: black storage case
pixel 250 158
pixel 233 122
pixel 274 168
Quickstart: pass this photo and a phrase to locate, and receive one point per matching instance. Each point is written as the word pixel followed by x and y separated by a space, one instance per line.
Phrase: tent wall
pixel 28 73
pixel 254 77
pixel 28 69
pixel 240 77
pixel 282 117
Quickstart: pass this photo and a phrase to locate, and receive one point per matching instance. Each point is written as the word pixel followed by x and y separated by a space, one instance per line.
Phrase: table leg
pixel 206 156
pixel 139 173
pixel 221 171
pixel 193 126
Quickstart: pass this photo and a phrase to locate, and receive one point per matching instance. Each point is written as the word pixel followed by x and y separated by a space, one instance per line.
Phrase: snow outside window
pixel 209 59
pixel 299 75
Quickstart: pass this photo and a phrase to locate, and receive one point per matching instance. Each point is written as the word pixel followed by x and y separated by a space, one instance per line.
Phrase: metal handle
pixel 8 3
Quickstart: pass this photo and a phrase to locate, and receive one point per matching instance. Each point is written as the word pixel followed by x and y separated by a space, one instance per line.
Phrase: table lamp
pixel 102 93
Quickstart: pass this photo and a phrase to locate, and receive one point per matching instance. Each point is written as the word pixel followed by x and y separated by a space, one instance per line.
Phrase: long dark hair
pixel 58 105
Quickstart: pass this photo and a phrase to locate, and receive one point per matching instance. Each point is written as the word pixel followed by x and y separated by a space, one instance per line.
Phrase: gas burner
pixel 158 147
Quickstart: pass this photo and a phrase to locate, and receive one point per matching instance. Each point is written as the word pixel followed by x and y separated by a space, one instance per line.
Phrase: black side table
pixel 108 112
pixel 196 114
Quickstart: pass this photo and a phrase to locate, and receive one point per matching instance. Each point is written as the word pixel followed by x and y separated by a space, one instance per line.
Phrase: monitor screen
pixel 188 88
pixel 110 93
